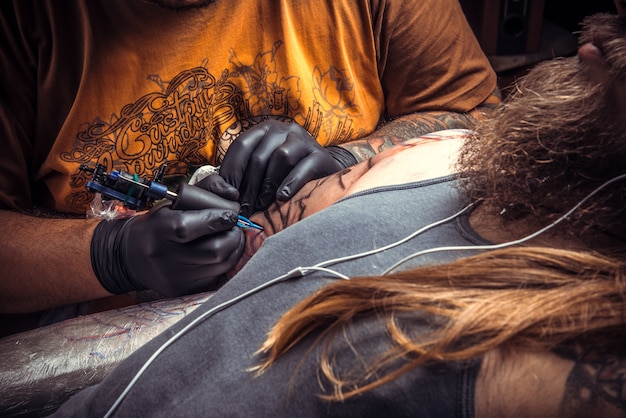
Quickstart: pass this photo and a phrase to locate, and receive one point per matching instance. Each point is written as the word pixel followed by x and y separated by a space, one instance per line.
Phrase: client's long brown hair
pixel 534 298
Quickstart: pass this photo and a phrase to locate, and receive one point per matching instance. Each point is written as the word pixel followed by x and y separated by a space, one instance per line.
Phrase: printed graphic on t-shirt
pixel 191 119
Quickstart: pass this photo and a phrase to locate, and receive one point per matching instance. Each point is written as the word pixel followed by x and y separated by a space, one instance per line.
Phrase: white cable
pixel 296 272
pixel 395 244
pixel 510 243
pixel 303 271
pixel 307 270
pixel 184 330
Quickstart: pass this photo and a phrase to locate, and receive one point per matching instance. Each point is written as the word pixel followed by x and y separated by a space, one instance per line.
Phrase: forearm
pixel 46 263
pixel 410 126
pixel 413 160
pixel 313 197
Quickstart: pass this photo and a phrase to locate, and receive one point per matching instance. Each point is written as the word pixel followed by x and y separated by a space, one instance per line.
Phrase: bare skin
pixel 65 276
pixel 21 284
pixel 511 384
pixel 405 127
pixel 413 160
pixel 588 383
pixel 523 384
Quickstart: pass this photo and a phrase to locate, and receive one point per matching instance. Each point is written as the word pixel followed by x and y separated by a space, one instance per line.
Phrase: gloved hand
pixel 273 160
pixel 173 252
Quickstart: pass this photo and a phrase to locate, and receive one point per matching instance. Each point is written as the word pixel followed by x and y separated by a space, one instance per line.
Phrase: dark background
pixel 568 14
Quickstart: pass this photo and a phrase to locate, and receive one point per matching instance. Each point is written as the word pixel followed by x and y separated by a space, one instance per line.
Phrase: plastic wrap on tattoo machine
pixel 109 209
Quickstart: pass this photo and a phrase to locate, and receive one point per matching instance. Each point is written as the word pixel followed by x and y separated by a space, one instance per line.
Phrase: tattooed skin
pixel 313 197
pixel 410 159
pixel 596 386
pixel 411 126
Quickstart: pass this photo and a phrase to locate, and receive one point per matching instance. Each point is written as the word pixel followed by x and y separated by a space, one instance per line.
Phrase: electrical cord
pixel 322 266
pixel 295 273
pixel 513 242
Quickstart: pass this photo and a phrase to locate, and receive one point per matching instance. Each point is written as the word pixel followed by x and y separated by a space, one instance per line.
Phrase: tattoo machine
pixel 137 193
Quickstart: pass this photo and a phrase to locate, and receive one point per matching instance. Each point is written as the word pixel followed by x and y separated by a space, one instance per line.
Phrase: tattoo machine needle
pixel 136 192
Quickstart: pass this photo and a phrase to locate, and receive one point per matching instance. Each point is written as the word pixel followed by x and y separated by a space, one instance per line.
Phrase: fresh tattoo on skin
pixel 313 197
pixel 319 194
pixel 596 386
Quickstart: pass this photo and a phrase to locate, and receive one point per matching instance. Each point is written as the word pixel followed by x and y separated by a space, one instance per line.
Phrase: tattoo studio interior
pixel 346 241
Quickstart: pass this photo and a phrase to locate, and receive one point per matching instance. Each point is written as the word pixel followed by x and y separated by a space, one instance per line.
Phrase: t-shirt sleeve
pixel 17 110
pixel 429 58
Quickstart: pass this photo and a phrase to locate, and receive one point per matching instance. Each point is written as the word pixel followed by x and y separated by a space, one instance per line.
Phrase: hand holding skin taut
pixel 274 159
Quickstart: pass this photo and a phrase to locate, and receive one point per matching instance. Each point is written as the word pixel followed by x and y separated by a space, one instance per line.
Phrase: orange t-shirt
pixel 132 85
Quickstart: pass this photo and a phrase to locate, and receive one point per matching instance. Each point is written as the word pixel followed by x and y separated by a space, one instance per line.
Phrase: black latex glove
pixel 173 252
pixel 273 160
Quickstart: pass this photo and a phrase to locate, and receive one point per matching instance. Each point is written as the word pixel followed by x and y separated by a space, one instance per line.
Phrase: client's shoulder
pixel 426 157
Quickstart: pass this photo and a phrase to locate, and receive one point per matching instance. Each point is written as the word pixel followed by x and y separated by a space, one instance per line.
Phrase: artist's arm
pixel 433 72
pixel 45 262
pixel 54 262
pixel 414 125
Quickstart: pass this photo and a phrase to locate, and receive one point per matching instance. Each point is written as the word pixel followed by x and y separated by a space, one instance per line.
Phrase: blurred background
pixel 517 34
